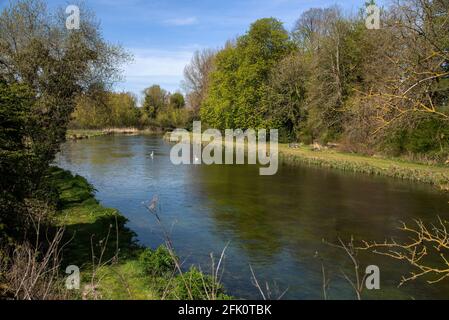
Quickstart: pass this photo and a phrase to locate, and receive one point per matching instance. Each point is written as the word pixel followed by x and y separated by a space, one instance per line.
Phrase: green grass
pixel 126 281
pixel 90 227
pixel 92 230
pixel 432 174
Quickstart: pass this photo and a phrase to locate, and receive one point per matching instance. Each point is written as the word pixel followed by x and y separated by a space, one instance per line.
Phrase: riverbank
pixel 80 134
pixel 98 243
pixel 395 168
pixel 112 264
pixel 83 134
pixel 436 175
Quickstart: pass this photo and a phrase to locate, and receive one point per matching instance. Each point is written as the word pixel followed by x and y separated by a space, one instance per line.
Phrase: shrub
pixel 156 262
pixel 173 118
pixel 201 286
pixel 428 137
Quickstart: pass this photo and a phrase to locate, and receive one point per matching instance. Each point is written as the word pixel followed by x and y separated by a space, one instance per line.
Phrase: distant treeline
pixel 330 79
pixel 108 109
pixel 333 79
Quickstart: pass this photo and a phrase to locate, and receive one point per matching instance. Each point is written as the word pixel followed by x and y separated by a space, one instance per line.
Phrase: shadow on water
pixel 275 223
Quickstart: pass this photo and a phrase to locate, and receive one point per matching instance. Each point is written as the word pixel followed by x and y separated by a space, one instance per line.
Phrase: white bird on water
pixel 152 154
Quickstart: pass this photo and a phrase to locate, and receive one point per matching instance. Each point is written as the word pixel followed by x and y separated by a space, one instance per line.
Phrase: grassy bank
pixel 83 134
pixel 396 168
pixel 112 265
pixel 437 175
pixel 79 134
pixel 98 243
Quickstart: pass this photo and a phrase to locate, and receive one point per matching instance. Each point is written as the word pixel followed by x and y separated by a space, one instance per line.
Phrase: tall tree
pixel 236 89
pixel 285 96
pixel 155 100
pixel 56 65
pixel 196 77
pixel 17 158
pixel 313 25
pixel 417 79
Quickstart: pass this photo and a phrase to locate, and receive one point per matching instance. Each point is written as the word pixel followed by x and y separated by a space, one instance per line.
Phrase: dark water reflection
pixel 275 223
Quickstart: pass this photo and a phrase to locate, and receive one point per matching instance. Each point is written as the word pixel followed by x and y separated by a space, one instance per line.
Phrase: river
pixel 276 223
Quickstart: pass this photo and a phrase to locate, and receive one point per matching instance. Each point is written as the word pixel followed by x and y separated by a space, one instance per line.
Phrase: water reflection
pixel 275 223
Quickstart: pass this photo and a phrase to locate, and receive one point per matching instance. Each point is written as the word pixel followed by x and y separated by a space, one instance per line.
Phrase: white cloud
pixel 158 62
pixel 182 21
pixel 163 67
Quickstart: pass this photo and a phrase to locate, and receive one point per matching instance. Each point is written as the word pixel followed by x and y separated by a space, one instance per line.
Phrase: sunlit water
pixel 273 223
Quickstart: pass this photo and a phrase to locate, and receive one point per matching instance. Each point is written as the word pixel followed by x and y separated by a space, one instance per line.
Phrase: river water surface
pixel 276 223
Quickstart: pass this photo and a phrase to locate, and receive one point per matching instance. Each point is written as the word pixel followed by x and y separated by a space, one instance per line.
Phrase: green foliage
pixel 15 113
pixel 174 118
pixel 164 110
pixel 44 67
pixel 106 110
pixel 336 81
pixel 197 284
pixel 285 96
pixel 155 100
pixel 88 225
pixel 177 101
pixel 16 155
pixel 236 89
pixel 159 265
pixel 428 136
pixel 71 189
pixel 157 262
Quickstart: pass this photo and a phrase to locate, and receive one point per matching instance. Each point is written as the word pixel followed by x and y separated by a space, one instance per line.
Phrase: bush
pixel 428 137
pixel 199 284
pixel 173 118
pixel 156 262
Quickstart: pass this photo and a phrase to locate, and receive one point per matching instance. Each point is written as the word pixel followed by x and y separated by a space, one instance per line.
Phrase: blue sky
pixel 162 35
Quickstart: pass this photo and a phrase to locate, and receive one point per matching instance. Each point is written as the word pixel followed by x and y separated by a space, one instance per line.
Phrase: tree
pixel 177 100
pixel 196 77
pixel 417 82
pixel 285 96
pixel 91 112
pixel 111 109
pixel 155 100
pixel 16 156
pixel 235 93
pixel 124 111
pixel 403 105
pixel 55 65
pixel 334 50
pixel 313 25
